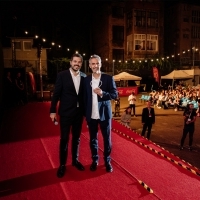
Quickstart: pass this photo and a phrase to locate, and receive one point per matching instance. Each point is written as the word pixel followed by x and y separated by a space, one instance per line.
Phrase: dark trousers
pixel 67 124
pixel 145 126
pixel 105 127
pixel 187 130
pixel 132 106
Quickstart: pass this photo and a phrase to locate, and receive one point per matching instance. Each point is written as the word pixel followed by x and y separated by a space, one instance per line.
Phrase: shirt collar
pixel 93 78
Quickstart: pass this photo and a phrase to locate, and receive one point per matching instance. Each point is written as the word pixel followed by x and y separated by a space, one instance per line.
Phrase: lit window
pixel 152 42
pixel 139 41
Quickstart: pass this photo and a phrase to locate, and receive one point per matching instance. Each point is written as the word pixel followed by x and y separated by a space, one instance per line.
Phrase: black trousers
pixel 132 106
pixel 105 127
pixel 187 130
pixel 145 126
pixel 71 124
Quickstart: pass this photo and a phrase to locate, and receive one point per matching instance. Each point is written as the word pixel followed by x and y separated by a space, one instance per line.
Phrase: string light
pixel 194 49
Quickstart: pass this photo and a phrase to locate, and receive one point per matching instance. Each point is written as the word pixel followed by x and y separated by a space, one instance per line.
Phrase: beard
pixel 75 69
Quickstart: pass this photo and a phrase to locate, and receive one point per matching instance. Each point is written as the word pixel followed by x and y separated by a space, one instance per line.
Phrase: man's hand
pixel 98 91
pixel 53 116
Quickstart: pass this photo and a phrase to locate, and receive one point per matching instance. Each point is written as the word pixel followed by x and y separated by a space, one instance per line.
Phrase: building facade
pixel 183 34
pixel 128 30
pixel 23 55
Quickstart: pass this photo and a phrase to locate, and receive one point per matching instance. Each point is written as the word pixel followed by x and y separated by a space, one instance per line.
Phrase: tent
pixel 179 74
pixel 126 76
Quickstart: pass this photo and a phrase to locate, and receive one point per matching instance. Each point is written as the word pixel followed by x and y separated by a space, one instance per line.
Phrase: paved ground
pixel 167 130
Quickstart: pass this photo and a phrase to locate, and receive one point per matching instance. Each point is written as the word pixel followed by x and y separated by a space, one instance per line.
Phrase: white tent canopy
pixel 126 76
pixel 179 74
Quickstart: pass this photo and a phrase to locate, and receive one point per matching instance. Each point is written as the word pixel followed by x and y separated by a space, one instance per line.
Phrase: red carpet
pixel 29 161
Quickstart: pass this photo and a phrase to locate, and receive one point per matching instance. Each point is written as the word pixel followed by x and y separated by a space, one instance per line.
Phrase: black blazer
pixel 145 116
pixel 109 90
pixel 65 92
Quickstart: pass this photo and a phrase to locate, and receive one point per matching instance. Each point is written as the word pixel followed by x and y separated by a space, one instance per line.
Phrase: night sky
pixel 73 18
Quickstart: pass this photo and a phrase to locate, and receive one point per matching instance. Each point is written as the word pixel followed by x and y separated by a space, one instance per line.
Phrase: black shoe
pixel 61 171
pixel 78 165
pixel 109 167
pixel 93 166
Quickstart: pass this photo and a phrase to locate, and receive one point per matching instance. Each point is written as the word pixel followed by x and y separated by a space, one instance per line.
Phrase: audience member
pixel 126 117
pixel 20 90
pixel 132 100
pixel 148 118
pixel 189 120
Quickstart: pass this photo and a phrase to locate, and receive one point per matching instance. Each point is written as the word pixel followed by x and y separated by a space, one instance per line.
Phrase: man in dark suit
pixel 148 118
pixel 69 92
pixel 99 89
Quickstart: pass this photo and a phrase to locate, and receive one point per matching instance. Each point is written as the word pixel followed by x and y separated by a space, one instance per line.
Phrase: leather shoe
pixel 93 166
pixel 109 167
pixel 61 171
pixel 78 165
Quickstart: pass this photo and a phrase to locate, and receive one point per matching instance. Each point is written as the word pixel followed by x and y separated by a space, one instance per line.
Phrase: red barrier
pixel 126 91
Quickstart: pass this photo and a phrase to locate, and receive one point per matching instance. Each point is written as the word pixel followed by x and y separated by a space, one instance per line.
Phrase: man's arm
pixel 112 91
pixel 56 94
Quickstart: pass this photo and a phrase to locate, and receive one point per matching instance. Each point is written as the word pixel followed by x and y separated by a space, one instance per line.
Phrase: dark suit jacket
pixel 109 90
pixel 65 92
pixel 145 116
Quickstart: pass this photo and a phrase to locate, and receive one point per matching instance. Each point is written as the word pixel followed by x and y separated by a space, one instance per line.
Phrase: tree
pixel 57 65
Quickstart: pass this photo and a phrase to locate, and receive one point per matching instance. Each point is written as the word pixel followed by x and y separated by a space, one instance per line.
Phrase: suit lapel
pixel 101 80
pixel 70 80
pixel 89 85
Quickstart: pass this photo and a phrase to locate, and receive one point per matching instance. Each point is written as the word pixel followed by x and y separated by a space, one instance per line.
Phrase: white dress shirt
pixel 95 108
pixel 131 99
pixel 76 80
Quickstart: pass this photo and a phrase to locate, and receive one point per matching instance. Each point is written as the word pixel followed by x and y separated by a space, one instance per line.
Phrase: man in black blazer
pixel 99 89
pixel 69 92
pixel 148 118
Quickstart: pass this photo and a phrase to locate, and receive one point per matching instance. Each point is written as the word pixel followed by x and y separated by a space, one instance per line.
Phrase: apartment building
pixel 23 55
pixel 183 34
pixel 125 30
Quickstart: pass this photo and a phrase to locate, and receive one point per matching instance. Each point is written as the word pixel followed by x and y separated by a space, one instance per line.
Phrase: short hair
pixel 77 55
pixel 95 56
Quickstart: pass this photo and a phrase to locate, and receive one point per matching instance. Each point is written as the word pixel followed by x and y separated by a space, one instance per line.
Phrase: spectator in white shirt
pixel 132 100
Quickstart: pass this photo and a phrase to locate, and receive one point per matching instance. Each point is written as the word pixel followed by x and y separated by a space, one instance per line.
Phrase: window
pixel 118 54
pixel 195 32
pixel 152 42
pixel 117 12
pixel 118 35
pixel 129 21
pixel 140 18
pixel 152 19
pixel 139 41
pixel 18 45
pixel 27 45
pixel 195 16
